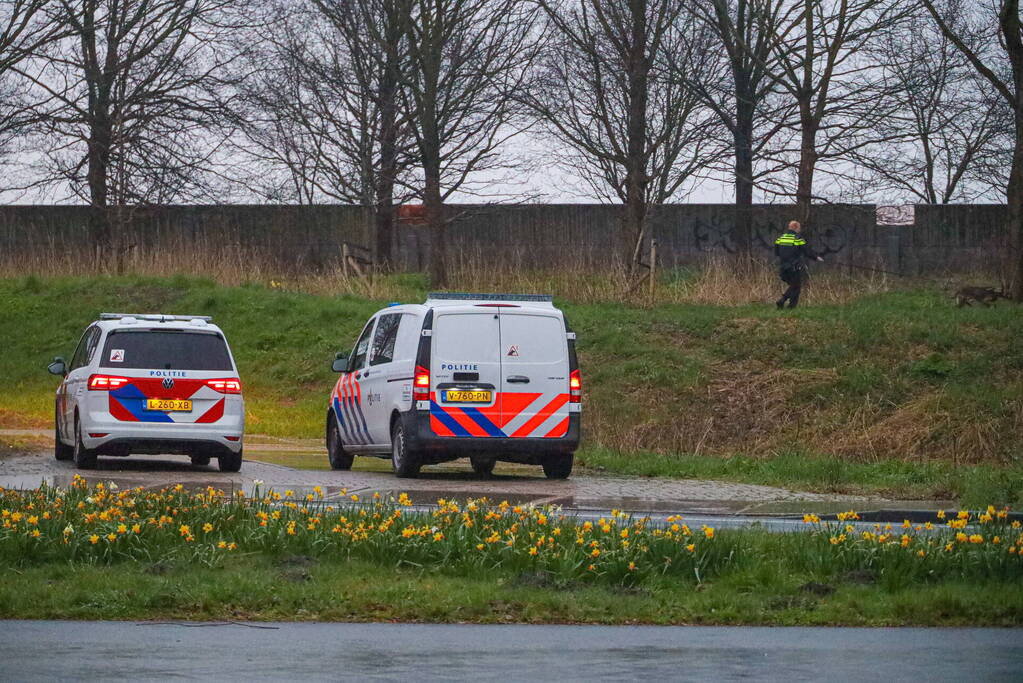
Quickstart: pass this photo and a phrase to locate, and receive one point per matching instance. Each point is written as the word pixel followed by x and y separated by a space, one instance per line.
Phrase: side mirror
pixel 340 363
pixel 57 367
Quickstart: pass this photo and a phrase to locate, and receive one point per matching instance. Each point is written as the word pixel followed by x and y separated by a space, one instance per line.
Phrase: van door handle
pixel 518 379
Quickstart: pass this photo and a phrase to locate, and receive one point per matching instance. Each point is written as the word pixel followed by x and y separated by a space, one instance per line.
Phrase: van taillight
pixel 575 387
pixel 225 386
pixel 106 382
pixel 421 384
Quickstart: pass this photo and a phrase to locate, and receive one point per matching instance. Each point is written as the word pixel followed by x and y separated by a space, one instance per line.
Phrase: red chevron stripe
pixel 559 431
pixel 214 413
pixel 120 412
pixel 438 427
pixel 541 417
pixel 467 422
pixel 512 405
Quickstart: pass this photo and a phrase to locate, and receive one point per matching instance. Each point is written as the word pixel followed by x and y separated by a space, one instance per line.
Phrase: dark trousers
pixel 793 277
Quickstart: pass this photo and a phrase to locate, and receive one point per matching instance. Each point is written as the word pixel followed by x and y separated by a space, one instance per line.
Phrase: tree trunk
pixel 435 223
pixel 742 138
pixel 807 165
pixel 1014 219
pixel 388 150
pixel 636 153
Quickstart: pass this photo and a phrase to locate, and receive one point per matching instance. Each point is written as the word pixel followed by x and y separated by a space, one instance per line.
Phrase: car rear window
pixel 165 350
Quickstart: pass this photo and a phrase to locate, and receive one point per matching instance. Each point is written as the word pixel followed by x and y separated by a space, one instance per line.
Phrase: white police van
pixel 488 376
pixel 150 384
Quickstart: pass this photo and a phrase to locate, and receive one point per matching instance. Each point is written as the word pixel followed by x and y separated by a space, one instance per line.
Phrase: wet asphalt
pixel 98 651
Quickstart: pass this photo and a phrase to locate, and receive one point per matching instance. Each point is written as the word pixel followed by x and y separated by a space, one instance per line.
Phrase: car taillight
pixel 106 382
pixel 421 384
pixel 225 386
pixel 575 387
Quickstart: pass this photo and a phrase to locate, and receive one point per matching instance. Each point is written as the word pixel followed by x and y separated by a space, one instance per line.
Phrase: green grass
pixel 95 553
pixel 897 393
pixel 261 588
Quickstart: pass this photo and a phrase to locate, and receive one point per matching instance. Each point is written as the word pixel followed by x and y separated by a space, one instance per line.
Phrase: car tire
pixel 405 462
pixel 483 467
pixel 61 451
pixel 85 459
pixel 339 459
pixel 558 466
pixel 200 460
pixel 230 462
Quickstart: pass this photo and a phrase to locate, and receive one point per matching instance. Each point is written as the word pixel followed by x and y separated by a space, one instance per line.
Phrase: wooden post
pixel 653 266
pixel 344 258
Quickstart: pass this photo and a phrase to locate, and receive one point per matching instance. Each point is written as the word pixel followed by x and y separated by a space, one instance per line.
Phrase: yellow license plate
pixel 174 404
pixel 467 396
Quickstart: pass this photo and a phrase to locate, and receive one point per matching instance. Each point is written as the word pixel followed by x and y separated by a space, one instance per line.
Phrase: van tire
pixel 483 467
pixel 558 466
pixel 229 462
pixel 339 459
pixel 405 462
pixel 84 458
pixel 61 451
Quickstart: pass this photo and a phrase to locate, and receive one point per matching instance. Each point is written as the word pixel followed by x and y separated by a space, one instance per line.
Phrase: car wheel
pixel 61 451
pixel 200 460
pixel 339 459
pixel 230 462
pixel 483 467
pixel 404 461
pixel 84 458
pixel 558 466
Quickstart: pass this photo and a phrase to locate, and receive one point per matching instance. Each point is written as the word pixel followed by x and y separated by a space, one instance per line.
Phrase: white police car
pixel 150 384
pixel 491 377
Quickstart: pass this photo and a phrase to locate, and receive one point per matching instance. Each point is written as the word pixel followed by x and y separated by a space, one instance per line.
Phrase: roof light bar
pixel 153 316
pixel 464 296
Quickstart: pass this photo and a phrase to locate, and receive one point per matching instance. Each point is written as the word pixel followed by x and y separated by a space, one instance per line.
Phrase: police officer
pixel 792 250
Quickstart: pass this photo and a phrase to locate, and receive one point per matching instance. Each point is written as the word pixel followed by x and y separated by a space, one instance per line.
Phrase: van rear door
pixel 465 373
pixel 534 374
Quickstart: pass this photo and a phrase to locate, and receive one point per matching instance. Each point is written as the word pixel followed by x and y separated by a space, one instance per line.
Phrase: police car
pixel 150 384
pixel 491 377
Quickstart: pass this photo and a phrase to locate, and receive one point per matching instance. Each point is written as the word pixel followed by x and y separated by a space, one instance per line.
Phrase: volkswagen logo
pixel 168 382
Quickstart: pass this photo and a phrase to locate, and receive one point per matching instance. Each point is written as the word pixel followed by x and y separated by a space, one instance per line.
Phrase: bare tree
pixel 948 126
pixel 1000 62
pixel 841 95
pixel 322 104
pixel 26 26
pixel 610 88
pixel 743 94
pixel 135 89
pixel 468 60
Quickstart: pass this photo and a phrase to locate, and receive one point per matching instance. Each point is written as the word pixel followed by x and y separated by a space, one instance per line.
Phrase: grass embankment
pixel 134 554
pixel 895 393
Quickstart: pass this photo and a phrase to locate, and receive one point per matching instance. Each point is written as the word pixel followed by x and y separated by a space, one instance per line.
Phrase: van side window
pixel 383 340
pixel 361 348
pixel 91 344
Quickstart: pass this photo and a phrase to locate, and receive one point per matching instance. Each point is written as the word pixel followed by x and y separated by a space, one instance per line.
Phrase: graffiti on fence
pixel 713 234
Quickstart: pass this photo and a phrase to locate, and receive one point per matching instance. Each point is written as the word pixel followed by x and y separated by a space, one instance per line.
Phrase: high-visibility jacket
pixel 792 250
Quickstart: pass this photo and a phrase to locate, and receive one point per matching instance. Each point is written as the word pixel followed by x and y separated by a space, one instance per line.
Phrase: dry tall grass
pixel 717 281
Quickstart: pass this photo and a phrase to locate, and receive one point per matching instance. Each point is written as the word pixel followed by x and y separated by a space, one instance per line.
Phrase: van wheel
pixel 339 460
pixel 558 466
pixel 230 462
pixel 483 467
pixel 84 458
pixel 61 451
pixel 405 462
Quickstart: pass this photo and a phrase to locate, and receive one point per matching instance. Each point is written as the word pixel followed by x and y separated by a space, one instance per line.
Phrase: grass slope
pixel 839 395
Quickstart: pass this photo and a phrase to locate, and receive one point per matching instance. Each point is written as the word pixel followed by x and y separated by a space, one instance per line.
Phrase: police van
pixel 485 376
pixel 150 384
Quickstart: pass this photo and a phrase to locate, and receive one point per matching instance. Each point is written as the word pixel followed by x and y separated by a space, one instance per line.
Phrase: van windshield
pixel 165 350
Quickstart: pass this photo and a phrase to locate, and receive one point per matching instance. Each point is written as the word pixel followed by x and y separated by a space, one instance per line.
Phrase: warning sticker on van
pixel 514 350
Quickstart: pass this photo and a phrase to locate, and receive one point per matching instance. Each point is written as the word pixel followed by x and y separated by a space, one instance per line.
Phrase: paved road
pixel 456 480
pixel 96 651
